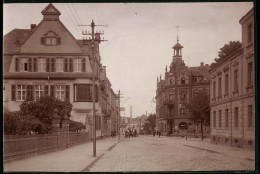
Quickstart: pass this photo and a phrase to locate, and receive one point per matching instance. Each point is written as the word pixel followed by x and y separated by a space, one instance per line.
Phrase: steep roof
pixel 177 45
pixel 16 36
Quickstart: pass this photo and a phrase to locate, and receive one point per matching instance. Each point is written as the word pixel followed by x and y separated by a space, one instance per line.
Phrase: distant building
pixel 48 60
pixel 181 84
pixel 233 92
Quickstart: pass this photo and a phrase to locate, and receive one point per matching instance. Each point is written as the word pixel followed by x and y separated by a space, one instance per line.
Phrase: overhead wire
pixel 71 19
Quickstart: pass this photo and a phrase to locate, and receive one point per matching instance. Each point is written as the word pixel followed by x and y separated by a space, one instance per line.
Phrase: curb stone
pixel 212 151
pixel 95 160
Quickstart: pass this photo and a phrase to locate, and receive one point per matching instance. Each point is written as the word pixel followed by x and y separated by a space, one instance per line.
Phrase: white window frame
pixel 24 61
pixel 21 92
pixel 77 65
pixel 39 91
pixel 60 92
pixel 42 65
pixel 59 65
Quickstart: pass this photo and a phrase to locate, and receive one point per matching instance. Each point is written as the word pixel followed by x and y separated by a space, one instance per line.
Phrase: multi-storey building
pixel 180 85
pixel 233 92
pixel 48 60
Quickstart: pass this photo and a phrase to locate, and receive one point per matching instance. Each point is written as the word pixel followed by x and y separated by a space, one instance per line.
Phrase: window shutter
pixel 13 94
pixel 83 64
pixel 42 40
pixel 35 64
pixel 53 60
pixel 29 96
pixel 58 40
pixel 46 90
pixel 66 65
pixel 67 97
pixel 48 64
pixel 71 65
pixel 30 64
pixel 52 91
pixel 17 63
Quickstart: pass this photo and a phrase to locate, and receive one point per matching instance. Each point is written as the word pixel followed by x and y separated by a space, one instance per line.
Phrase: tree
pixel 35 115
pixel 151 123
pixel 43 109
pixel 228 49
pixel 75 126
pixel 199 107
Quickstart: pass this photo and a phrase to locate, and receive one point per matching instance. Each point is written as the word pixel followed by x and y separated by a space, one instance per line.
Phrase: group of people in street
pixel 158 133
pixel 130 133
pixel 113 133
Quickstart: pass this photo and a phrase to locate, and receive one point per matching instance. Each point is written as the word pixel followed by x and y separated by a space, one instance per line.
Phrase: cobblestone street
pixel 147 153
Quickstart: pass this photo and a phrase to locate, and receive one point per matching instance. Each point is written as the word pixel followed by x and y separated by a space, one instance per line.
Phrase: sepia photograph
pixel 129 87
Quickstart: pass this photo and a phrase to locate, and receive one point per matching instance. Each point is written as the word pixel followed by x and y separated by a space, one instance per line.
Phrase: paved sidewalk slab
pixel 73 159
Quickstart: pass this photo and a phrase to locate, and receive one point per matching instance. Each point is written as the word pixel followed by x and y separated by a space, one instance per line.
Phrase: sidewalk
pixel 73 159
pixel 210 147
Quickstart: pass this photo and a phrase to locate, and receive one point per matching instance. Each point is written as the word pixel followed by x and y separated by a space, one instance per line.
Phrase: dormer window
pixel 50 38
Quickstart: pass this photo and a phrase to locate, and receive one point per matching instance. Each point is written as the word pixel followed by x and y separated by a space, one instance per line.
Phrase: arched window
pixel 182 80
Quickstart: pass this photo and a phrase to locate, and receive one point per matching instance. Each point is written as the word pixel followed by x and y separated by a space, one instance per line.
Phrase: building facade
pixel 233 92
pixel 181 84
pixel 48 60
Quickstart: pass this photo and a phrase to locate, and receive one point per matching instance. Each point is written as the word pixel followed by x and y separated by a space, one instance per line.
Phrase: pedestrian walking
pixel 159 133
pixel 153 133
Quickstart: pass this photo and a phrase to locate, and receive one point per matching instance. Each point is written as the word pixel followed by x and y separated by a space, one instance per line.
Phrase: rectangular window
pixel 82 92
pixel 39 91
pixel 48 41
pixel 214 89
pixel 170 97
pixel 77 65
pixel 214 119
pixel 60 92
pixel 41 65
pixel 250 116
pixel 53 41
pixel 250 32
pixel 236 117
pixel 219 120
pixel 219 87
pixel 59 65
pixel 226 118
pixel 21 93
pixel 249 73
pixel 24 64
pixel 236 80
pixel 226 84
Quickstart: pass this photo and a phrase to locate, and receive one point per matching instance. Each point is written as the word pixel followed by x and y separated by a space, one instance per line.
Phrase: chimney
pixel 201 63
pixel 33 26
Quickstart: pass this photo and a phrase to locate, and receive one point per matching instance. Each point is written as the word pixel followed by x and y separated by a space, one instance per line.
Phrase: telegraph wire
pixel 71 19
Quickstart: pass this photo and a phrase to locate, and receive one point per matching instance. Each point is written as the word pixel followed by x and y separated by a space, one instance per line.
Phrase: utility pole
pixel 94 71
pixel 119 96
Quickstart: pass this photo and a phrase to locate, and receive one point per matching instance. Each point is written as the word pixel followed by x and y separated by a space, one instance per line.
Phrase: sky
pixel 141 36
